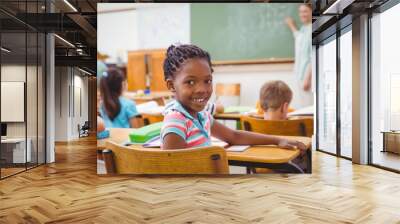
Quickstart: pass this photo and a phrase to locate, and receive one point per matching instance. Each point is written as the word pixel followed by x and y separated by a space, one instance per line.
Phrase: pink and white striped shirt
pixel 195 131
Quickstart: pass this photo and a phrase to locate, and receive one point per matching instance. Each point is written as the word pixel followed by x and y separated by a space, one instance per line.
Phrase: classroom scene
pixel 230 93
pixel 223 113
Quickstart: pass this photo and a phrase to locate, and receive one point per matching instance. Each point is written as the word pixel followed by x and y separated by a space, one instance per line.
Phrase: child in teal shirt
pixel 116 111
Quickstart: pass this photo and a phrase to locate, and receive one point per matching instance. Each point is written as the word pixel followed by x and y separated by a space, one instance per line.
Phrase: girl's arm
pixel 237 137
pixel 173 141
pixel 135 122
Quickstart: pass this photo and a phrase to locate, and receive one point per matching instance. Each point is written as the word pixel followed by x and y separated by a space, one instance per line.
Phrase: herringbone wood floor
pixel 69 191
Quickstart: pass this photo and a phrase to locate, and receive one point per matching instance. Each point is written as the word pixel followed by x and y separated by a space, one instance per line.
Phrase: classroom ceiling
pixel 74 22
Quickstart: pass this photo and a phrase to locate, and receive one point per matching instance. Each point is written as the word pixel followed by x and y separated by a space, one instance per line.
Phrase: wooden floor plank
pixel 70 191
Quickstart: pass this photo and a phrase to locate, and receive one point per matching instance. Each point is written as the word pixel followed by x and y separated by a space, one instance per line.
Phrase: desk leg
pixel 295 167
pixel 384 142
pixel 309 161
pixel 99 154
pixel 109 161
pixel 248 170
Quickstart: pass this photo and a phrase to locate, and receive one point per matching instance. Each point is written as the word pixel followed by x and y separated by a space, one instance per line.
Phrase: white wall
pixel 33 127
pixel 61 103
pixel 125 27
pixel 80 102
pixel 252 77
pixel 15 73
pixel 67 115
pixel 116 31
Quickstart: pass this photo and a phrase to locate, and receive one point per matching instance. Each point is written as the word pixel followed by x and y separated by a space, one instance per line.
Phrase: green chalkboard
pixel 243 31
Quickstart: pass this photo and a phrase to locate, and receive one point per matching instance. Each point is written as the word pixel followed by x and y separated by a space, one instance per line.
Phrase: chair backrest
pixel 139 160
pixel 152 118
pixel 228 91
pixel 296 127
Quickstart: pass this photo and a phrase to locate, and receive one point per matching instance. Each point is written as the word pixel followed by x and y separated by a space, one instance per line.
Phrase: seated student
pixel 115 110
pixel 100 124
pixel 188 74
pixel 275 97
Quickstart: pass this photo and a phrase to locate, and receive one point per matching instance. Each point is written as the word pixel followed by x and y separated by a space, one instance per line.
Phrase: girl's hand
pixel 290 144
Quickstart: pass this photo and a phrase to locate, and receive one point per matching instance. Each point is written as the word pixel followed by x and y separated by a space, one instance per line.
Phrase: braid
pixel 177 55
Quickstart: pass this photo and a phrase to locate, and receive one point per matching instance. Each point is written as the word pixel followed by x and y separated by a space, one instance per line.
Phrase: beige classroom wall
pixel 252 77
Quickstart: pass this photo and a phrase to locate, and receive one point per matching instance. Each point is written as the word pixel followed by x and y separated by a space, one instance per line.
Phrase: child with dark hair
pixel 116 111
pixel 188 74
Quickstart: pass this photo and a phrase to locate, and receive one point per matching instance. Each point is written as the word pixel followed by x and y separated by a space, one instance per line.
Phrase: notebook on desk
pixel 237 148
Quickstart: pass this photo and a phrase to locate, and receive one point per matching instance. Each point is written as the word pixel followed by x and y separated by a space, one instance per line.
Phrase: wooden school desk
pixel 118 135
pixel 228 116
pixel 159 97
pixel 258 156
pixel 269 156
pixel 303 112
pixel 233 113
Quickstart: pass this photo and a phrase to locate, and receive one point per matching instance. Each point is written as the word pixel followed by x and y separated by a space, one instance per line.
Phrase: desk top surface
pixel 256 153
pixel 269 153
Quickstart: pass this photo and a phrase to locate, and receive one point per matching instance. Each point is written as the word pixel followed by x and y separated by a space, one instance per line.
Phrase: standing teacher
pixel 302 65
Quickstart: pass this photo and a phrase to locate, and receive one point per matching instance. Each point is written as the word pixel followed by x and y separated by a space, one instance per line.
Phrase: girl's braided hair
pixel 177 55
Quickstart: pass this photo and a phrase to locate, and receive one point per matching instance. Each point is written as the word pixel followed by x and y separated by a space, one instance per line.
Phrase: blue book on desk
pixel 103 134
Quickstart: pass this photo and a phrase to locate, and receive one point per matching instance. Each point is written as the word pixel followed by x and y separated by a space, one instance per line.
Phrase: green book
pixel 143 134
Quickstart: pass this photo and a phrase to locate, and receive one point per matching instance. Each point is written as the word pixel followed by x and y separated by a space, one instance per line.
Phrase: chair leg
pixel 250 170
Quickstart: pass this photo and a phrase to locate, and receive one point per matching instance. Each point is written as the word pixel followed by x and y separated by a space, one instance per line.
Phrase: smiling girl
pixel 188 74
